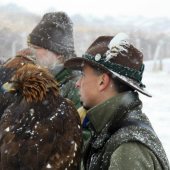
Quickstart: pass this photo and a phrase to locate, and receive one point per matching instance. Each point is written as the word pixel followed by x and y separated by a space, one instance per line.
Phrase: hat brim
pixel 78 63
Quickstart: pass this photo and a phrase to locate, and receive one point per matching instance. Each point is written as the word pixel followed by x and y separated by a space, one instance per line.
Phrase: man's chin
pixel 85 107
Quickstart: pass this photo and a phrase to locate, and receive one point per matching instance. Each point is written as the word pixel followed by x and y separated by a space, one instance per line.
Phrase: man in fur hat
pixel 53 41
pixel 121 135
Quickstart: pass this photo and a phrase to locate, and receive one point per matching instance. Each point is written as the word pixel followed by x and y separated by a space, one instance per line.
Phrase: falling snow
pixel 157 108
pixel 32 112
pixel 48 166
pixel 7 129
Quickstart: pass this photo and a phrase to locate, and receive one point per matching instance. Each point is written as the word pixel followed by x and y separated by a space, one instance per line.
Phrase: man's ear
pixel 104 81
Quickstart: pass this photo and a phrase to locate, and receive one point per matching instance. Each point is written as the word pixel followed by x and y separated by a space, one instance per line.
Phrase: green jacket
pixel 129 147
pixel 67 80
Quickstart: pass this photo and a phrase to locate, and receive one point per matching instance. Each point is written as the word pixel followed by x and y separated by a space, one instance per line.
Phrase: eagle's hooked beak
pixel 7 87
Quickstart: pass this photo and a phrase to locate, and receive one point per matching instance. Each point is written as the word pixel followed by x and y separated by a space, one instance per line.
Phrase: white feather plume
pixel 118 44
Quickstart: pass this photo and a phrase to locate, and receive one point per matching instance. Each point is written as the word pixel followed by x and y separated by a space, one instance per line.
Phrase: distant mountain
pixel 13 9
pixel 145 33
pixel 126 23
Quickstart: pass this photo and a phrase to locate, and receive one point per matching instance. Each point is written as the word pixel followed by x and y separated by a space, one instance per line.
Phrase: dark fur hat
pixel 55 33
pixel 117 57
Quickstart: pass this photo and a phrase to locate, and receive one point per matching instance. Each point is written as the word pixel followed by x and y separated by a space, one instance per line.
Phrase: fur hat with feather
pixel 117 57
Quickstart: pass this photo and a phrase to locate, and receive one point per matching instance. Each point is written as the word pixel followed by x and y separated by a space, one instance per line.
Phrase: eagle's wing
pixel 39 129
pixel 47 135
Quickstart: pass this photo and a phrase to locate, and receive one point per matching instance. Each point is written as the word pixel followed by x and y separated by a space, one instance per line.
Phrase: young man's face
pixel 88 87
pixel 45 57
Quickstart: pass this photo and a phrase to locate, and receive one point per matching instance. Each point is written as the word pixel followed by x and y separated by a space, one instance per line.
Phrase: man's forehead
pixel 86 67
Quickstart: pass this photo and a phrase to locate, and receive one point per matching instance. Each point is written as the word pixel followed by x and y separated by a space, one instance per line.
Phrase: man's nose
pixel 78 83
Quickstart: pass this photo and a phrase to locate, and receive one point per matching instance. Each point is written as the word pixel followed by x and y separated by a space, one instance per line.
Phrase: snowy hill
pixel 145 33
pixel 157 108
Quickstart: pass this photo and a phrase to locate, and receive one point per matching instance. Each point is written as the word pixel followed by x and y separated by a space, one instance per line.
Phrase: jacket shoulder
pixel 133 155
pixel 69 90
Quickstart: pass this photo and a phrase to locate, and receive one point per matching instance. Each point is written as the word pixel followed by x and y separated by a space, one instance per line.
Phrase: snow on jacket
pixel 127 148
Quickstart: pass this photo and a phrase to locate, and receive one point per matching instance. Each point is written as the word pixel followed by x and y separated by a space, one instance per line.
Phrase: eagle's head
pixel 32 82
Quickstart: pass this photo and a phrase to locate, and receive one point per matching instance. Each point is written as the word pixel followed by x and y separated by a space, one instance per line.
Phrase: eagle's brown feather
pixel 38 128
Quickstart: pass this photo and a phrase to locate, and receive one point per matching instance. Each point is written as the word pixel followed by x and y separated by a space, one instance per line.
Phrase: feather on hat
pixel 118 44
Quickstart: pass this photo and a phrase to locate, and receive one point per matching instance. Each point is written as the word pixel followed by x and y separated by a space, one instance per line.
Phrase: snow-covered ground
pixel 157 108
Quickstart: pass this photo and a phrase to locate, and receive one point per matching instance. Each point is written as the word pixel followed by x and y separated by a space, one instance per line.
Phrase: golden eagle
pixel 39 129
pixel 24 57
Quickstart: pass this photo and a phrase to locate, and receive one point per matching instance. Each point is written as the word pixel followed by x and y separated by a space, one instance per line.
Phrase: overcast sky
pixel 98 8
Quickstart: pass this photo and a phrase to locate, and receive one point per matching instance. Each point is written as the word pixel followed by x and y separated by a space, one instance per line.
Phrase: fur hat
pixel 55 33
pixel 117 57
